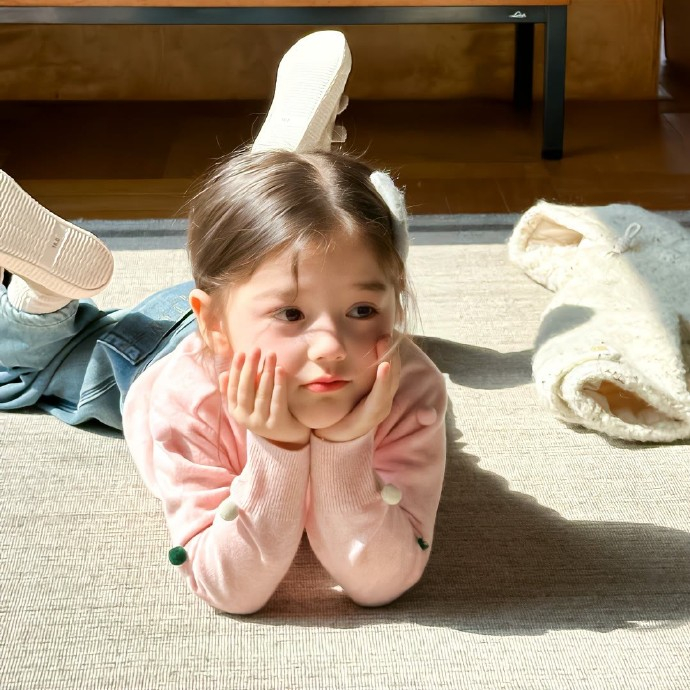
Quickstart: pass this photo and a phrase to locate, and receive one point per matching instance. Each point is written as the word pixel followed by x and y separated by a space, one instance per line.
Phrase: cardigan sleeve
pixel 196 462
pixel 374 547
pixel 233 564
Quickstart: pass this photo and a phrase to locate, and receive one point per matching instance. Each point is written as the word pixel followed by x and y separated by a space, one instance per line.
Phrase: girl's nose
pixel 326 344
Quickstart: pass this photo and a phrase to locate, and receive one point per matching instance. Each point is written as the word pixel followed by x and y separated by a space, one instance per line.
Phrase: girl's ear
pixel 210 325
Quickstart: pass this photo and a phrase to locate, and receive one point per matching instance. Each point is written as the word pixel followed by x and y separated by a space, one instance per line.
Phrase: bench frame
pixel 554 18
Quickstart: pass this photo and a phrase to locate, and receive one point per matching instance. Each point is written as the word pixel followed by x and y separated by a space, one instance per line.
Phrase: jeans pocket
pixel 142 332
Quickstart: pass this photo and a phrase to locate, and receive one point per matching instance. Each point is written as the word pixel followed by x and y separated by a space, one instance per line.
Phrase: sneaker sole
pixel 311 79
pixel 42 247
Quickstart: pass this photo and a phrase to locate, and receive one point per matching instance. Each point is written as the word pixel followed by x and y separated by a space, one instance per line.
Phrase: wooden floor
pixel 138 160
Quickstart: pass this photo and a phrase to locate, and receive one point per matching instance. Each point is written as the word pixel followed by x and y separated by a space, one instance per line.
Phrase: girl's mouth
pixel 325 386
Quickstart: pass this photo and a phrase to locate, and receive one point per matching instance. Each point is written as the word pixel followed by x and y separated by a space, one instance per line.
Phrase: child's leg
pixel 79 362
pixel 63 355
pixel 53 264
pixel 308 96
pixel 46 355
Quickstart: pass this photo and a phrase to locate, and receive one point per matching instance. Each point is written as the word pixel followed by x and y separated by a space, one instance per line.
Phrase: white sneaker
pixel 47 250
pixel 308 96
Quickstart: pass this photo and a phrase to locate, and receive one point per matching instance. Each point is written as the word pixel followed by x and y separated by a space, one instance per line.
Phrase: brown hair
pixel 252 206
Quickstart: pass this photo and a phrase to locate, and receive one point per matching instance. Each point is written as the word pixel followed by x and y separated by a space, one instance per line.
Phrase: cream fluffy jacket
pixel 613 347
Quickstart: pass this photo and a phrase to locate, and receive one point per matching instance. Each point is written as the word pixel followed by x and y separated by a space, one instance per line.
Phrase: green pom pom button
pixel 177 555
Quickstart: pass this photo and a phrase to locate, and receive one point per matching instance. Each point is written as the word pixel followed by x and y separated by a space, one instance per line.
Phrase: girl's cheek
pixel 288 357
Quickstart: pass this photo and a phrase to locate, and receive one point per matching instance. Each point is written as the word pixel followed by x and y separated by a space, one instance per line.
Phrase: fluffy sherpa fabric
pixel 613 348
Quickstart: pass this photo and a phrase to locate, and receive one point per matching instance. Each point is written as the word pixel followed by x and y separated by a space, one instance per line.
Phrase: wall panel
pixel 613 49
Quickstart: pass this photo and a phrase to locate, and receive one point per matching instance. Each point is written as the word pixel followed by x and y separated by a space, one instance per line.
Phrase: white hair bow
pixel 395 200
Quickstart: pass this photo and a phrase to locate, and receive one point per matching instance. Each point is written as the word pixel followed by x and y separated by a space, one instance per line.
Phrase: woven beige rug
pixel 561 560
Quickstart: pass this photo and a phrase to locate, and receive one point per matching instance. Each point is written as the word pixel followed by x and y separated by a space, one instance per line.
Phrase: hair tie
pixel 395 200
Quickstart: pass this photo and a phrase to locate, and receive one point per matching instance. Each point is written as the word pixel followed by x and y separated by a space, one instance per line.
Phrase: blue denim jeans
pixel 78 363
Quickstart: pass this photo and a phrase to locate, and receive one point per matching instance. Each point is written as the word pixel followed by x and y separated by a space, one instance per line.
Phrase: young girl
pixel 287 399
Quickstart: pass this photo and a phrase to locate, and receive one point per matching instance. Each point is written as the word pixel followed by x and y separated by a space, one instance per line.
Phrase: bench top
pixel 279 3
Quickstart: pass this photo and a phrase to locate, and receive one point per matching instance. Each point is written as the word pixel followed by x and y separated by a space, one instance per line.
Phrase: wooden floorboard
pixel 139 159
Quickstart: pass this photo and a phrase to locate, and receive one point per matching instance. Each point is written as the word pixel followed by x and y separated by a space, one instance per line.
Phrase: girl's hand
pixel 258 400
pixel 375 407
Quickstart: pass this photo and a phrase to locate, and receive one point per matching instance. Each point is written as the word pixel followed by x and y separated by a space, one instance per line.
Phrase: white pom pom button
pixel 391 495
pixel 228 509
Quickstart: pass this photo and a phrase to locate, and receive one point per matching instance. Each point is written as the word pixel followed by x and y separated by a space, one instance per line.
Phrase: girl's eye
pixel 362 311
pixel 289 314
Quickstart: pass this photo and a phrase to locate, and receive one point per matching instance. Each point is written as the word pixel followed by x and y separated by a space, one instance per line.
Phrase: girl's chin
pixel 318 421
pixel 320 412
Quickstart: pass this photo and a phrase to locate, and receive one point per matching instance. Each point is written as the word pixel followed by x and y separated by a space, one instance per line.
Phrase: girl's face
pixel 323 326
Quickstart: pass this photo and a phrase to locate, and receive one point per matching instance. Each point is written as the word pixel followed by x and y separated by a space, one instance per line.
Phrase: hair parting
pixel 253 206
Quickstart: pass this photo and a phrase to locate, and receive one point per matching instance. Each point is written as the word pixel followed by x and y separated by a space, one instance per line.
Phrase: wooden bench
pixel 524 15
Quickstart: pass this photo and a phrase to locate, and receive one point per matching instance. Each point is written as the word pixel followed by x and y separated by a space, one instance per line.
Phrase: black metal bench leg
pixel 524 66
pixel 554 81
